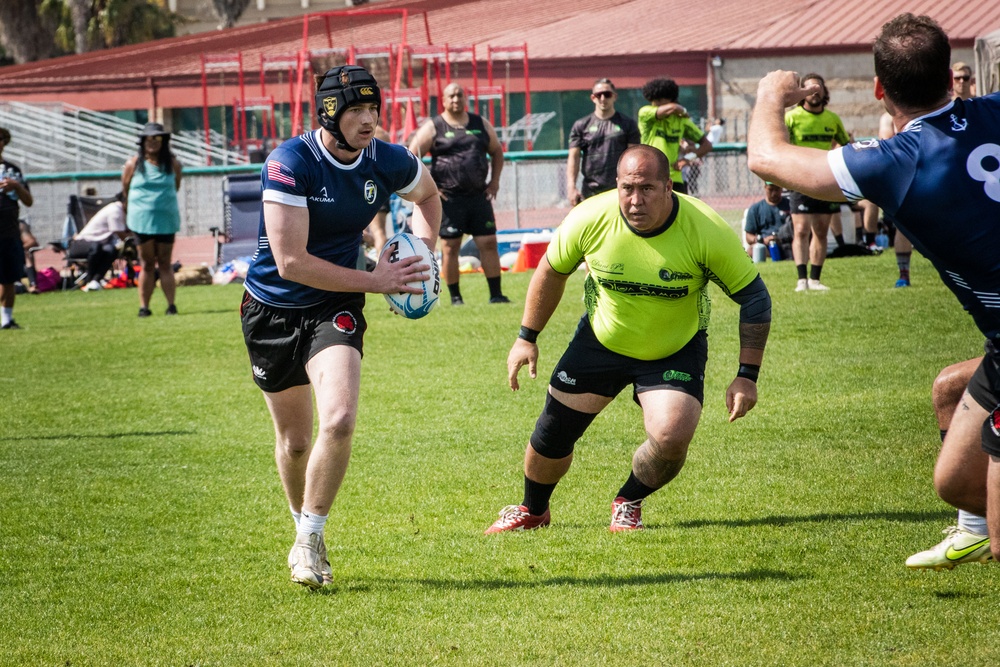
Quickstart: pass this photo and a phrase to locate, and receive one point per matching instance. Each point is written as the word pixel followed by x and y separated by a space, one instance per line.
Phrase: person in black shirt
pixel 13 190
pixel 464 148
pixel 596 141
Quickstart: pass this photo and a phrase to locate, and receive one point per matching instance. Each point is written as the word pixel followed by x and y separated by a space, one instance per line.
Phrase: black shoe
pixel 11 325
pixel 145 312
pixel 499 299
pixel 171 310
pixel 457 301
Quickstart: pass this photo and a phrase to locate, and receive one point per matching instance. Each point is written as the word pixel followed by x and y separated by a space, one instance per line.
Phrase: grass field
pixel 142 520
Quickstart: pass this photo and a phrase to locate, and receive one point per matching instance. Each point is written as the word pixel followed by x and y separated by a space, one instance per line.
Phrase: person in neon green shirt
pixel 663 123
pixel 811 124
pixel 651 254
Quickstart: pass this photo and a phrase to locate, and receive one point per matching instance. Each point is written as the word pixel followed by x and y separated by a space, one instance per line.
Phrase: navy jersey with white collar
pixel 342 200
pixel 939 181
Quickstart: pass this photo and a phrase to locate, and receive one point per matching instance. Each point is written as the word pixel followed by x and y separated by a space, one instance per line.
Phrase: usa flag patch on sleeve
pixel 279 173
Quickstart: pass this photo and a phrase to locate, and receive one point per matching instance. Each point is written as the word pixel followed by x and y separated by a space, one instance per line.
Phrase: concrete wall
pixel 848 77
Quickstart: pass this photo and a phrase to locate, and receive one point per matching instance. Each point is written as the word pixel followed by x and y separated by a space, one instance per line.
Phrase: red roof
pixel 555 31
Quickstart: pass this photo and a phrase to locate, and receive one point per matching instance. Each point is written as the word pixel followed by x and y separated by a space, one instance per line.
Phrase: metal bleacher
pixel 55 137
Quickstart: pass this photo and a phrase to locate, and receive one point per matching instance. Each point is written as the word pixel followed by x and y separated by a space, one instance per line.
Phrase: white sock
pixel 972 523
pixel 311 523
pixel 6 315
pixel 297 516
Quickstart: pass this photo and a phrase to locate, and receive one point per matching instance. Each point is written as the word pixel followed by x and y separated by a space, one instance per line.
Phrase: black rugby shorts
pixel 281 340
pixel 467 214
pixel 587 367
pixel 984 387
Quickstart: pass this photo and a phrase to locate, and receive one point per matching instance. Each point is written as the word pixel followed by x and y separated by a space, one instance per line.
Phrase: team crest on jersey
pixel 345 323
pixel 866 143
pixel 371 191
pixel 958 125
pixel 330 105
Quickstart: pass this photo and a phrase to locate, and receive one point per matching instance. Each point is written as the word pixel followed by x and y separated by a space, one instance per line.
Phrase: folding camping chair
pixel 242 202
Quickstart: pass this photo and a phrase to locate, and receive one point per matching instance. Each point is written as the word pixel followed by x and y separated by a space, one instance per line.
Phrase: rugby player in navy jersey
pixel 937 180
pixel 302 310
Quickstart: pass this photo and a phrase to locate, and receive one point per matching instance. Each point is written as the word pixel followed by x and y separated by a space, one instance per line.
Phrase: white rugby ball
pixel 413 306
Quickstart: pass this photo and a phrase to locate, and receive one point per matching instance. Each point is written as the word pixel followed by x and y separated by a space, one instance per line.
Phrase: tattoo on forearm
pixel 965 406
pixel 754 336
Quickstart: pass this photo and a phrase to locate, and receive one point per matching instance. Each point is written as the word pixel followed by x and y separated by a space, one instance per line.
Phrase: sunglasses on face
pixel 962 77
pixel 604 94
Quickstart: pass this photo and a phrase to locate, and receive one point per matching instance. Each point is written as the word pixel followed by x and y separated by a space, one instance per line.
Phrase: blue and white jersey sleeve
pixel 285 178
pixel 860 170
pixel 407 168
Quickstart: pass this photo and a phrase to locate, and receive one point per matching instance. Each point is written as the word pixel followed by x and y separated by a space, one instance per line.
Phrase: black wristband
pixel 528 334
pixel 748 371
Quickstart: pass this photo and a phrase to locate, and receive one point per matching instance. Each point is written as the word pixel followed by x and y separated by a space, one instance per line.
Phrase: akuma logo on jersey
pixel 345 323
pixel 371 191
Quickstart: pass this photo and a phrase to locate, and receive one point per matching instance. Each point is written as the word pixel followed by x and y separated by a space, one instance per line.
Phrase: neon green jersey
pixel 815 130
pixel 666 134
pixel 647 295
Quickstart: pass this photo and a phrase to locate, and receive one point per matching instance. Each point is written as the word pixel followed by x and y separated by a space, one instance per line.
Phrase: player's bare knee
pixel 293 446
pixel 558 428
pixel 337 426
pixel 667 445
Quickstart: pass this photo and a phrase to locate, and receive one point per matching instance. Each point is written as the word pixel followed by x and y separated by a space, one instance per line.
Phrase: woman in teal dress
pixel 150 182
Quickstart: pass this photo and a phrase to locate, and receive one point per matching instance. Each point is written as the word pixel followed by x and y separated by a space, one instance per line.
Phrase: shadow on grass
pixel 603 581
pixel 97 436
pixel 785 520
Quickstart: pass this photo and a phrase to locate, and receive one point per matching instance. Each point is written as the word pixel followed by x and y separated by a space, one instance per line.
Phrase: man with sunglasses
pixel 596 141
pixel 961 75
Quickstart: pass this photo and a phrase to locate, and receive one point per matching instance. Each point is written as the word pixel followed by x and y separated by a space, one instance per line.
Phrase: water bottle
pixel 759 253
pixel 6 173
pixel 775 251
pixel 882 240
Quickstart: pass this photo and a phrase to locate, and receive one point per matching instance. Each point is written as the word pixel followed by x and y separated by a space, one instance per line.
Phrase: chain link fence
pixel 532 192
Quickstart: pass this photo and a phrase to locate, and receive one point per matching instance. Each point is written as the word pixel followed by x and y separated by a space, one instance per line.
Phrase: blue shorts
pixel 11 260
pixel 587 367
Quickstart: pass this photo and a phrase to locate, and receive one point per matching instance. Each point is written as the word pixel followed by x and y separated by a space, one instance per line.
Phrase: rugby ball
pixel 413 306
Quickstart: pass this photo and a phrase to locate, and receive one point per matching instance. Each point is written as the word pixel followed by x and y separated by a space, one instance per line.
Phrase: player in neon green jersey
pixel 651 254
pixel 811 124
pixel 663 123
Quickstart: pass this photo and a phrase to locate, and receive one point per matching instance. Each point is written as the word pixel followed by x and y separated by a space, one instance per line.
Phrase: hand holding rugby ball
pixel 413 306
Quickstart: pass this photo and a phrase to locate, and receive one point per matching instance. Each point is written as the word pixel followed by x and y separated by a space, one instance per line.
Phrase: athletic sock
pixel 536 496
pixel 839 238
pixel 972 522
pixel 32 275
pixel 858 233
pixel 296 516
pixel 903 262
pixel 801 268
pixel 633 489
pixel 6 315
pixel 494 284
pixel 454 291
pixel 869 238
pixel 311 523
pixel 814 272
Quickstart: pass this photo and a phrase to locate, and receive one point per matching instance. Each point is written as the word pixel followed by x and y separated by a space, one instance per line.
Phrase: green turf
pixel 142 520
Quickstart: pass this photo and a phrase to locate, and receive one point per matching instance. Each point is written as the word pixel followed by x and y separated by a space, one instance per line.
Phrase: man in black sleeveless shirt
pixel 459 144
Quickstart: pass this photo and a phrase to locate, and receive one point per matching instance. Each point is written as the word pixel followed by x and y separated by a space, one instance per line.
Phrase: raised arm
pixel 771 156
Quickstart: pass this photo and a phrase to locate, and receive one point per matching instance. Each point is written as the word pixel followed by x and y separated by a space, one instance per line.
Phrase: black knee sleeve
pixel 558 428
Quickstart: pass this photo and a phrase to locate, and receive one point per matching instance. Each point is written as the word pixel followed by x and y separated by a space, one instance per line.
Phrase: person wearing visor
pixel 302 310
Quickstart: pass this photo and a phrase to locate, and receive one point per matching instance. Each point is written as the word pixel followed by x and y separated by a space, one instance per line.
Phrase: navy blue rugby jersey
pixel 342 200
pixel 939 181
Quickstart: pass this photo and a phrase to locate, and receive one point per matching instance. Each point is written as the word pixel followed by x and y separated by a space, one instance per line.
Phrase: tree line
pixel 33 30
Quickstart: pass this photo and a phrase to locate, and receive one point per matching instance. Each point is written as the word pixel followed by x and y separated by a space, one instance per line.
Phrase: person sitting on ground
pixel 768 220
